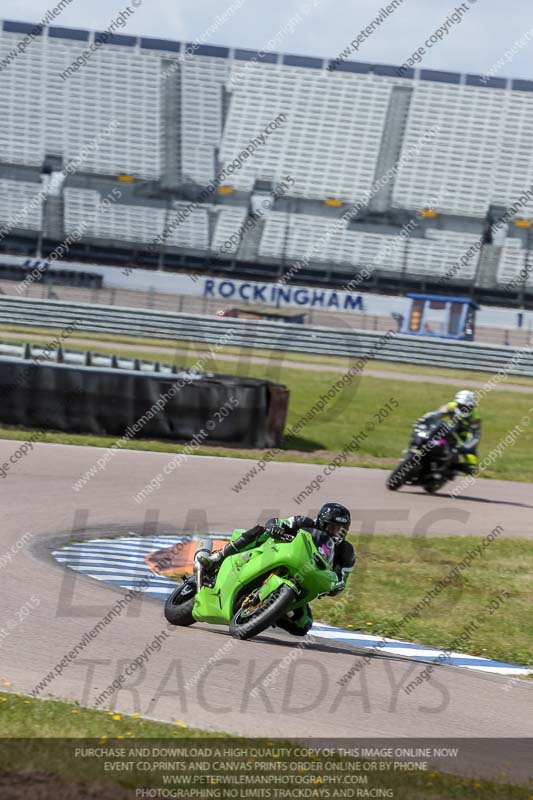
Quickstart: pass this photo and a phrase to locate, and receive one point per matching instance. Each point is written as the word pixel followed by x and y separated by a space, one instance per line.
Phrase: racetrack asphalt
pixel 306 698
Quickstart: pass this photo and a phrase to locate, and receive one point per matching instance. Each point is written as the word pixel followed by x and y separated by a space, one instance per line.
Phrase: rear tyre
pixel 179 605
pixel 248 623
pixel 401 474
pixel 433 486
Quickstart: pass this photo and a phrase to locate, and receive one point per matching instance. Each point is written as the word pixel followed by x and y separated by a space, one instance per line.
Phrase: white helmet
pixel 466 401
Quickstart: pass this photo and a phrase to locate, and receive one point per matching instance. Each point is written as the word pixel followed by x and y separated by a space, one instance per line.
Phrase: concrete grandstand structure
pixel 161 123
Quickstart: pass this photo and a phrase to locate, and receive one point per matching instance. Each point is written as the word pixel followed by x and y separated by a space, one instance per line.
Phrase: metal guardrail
pixel 38 353
pixel 344 342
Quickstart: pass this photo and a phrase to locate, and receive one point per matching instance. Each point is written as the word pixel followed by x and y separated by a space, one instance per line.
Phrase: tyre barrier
pixel 180 405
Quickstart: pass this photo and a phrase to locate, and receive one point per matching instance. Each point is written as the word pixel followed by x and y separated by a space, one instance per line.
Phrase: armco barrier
pixel 185 407
pixel 39 353
pixel 345 342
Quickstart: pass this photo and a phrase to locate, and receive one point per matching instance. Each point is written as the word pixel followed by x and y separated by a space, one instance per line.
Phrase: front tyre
pixel 250 619
pixel 401 474
pixel 179 605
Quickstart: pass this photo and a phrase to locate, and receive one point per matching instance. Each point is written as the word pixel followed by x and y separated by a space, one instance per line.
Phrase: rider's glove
pixel 281 533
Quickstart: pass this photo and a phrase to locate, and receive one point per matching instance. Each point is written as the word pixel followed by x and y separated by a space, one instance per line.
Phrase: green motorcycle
pixel 256 587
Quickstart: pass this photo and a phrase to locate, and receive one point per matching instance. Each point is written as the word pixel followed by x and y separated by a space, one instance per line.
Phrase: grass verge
pixel 23 717
pixel 47 747
pixel 330 431
pixel 394 573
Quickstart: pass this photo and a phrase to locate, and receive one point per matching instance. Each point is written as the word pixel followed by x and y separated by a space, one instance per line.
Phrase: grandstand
pixel 447 152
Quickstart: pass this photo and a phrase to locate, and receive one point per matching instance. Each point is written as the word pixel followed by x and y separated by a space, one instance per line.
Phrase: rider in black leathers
pixel 332 522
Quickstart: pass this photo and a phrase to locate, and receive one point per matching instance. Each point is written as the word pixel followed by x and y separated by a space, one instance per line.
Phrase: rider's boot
pixel 244 540
pixel 297 622
pixel 468 466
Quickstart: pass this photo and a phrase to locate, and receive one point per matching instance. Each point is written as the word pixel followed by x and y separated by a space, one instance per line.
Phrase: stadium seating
pixel 513 262
pixel 440 252
pixel 145 108
pixel 303 235
pixel 459 162
pixel 330 145
pixel 20 204
pixel 43 113
pixel 201 116
pixel 132 223
pixel 228 223
pixel 514 165
pixel 330 142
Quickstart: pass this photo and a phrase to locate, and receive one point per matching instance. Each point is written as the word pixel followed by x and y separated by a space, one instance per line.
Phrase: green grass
pixel 22 717
pixel 330 431
pixel 38 721
pixel 394 573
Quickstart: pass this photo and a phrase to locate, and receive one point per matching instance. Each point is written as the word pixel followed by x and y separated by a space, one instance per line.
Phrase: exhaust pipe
pixel 204 548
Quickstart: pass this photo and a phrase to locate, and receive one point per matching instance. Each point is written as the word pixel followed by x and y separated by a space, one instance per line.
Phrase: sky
pixel 488 28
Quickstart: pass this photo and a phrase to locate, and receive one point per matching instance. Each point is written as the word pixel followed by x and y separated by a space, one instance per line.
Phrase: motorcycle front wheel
pixel 402 473
pixel 250 619
pixel 179 605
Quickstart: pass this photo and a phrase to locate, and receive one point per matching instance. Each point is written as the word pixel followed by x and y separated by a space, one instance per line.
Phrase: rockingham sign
pixel 272 294
pixel 228 291
pixel 256 293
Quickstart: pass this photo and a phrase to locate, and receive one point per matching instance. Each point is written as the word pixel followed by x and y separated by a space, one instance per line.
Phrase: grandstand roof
pixel 217 51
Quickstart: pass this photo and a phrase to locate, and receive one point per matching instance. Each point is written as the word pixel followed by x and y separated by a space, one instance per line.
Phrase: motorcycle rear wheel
pixel 179 605
pixel 246 625
pixel 433 486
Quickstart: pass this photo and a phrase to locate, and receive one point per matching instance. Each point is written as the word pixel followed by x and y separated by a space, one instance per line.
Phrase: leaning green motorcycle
pixel 255 588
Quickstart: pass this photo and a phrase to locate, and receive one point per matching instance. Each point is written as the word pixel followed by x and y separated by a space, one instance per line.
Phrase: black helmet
pixel 335 520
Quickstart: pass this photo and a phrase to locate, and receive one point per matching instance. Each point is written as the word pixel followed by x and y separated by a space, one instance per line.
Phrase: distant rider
pixel 463 415
pixel 333 519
